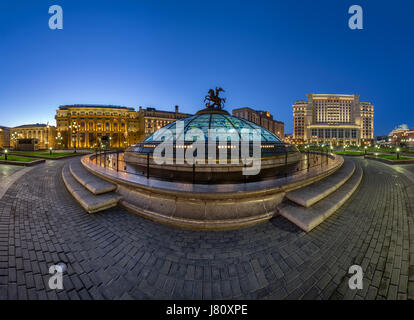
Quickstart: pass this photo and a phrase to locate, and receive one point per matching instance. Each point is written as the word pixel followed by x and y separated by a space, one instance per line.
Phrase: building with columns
pixel 262 118
pixel 88 126
pixel 44 134
pixel 335 119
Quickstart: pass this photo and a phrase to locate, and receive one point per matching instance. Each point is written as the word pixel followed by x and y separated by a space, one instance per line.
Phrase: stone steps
pixel 315 192
pixel 89 201
pixel 308 218
pixel 89 180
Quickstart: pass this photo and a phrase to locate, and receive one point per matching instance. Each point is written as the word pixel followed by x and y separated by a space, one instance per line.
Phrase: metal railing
pixel 114 160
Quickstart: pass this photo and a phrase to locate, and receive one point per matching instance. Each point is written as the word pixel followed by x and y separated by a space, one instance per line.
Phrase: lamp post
pixel 398 153
pixel 47 136
pixel 365 150
pixel 5 155
pixel 50 150
pixel 74 128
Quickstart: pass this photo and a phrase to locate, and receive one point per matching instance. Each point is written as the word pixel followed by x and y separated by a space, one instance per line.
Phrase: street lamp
pixel 74 133
pixel 365 150
pixel 5 155
pixel 50 149
pixel 47 136
pixel 398 153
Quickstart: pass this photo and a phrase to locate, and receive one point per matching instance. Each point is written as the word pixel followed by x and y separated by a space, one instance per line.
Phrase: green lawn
pixel 393 157
pixel 17 158
pixel 350 153
pixel 45 154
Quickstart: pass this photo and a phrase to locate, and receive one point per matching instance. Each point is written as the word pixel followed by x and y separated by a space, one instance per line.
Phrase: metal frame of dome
pixel 219 119
pixel 275 155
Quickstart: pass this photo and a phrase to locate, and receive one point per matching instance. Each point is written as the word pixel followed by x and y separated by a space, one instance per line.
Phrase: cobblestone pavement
pixel 409 167
pixel 116 254
pixel 7 170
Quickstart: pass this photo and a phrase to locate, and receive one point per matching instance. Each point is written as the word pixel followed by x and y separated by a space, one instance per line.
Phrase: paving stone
pixel 117 255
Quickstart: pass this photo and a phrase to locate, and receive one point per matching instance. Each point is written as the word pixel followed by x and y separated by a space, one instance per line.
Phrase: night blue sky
pixel 265 54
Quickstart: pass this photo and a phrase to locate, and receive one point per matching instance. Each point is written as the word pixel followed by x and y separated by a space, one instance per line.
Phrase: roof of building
pixel 243 108
pixel 152 109
pixel 39 125
pixel 4 128
pixel 65 107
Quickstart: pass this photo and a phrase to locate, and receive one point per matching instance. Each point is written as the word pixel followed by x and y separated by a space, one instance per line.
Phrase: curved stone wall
pixel 208 207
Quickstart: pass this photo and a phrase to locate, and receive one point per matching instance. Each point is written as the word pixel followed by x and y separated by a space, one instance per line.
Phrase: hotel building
pixel 44 135
pixel 334 119
pixel 262 118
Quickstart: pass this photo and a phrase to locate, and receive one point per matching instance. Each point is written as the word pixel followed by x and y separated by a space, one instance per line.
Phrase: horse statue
pixel 213 99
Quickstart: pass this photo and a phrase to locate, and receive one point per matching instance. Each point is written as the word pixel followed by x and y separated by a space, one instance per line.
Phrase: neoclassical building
pixel 336 119
pixel 44 134
pixel 88 126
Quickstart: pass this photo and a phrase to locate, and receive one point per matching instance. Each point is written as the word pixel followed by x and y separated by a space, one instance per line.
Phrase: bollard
pixel 117 160
pixel 147 165
pixel 245 175
pixel 194 173
pixel 320 155
pixel 286 162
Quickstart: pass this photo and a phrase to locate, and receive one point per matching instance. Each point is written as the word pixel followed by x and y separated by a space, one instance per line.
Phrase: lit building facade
pixel 151 120
pixel 262 118
pixel 4 137
pixel 44 134
pixel 333 119
pixel 402 136
pixel 89 126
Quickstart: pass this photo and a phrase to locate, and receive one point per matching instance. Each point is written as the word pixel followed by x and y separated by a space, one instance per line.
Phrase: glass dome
pixel 219 120
pixel 275 156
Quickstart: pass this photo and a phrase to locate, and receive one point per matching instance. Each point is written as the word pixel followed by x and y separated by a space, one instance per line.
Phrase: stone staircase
pixel 307 207
pixel 92 193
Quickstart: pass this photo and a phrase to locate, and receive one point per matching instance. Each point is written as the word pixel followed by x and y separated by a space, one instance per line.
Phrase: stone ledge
pixel 45 158
pixel 91 203
pixel 387 161
pixel 191 224
pixel 309 218
pixel 22 164
pixel 315 192
pixel 89 180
